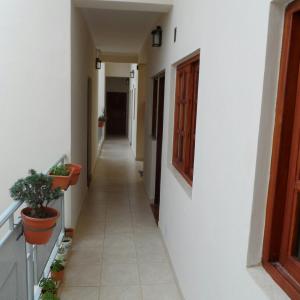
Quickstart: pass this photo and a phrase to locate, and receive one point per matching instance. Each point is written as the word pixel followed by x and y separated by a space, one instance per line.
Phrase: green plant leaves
pixel 36 190
pixel 60 170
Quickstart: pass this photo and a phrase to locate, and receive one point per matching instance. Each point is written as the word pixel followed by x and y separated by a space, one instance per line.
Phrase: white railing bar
pixel 11 222
pixel 35 266
pixel 30 272
pixel 5 215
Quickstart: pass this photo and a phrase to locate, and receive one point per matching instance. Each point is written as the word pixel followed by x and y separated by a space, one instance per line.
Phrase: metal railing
pixel 22 265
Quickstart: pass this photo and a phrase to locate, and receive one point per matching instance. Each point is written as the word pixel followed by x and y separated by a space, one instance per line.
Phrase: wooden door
pixel 185 116
pixel 116 109
pixel 157 127
pixel 281 256
pixel 290 247
pixel 89 130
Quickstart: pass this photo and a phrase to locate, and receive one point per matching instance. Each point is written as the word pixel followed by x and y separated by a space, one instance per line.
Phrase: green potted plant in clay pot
pixel 57 270
pixel 65 175
pixel 48 296
pixel 75 172
pixel 48 286
pixel 101 120
pixel 61 176
pixel 38 219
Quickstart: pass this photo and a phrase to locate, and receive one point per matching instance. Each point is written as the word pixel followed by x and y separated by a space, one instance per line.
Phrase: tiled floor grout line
pixel 135 246
pixel 103 246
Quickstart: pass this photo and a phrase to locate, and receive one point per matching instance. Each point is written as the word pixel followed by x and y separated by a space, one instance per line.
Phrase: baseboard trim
pixel 171 264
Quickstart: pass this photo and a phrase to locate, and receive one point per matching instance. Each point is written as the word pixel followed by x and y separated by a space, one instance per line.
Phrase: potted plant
pixel 69 232
pixel 57 270
pixel 62 254
pixel 75 172
pixel 66 242
pixel 49 296
pixel 38 219
pixel 48 285
pixel 101 120
pixel 61 175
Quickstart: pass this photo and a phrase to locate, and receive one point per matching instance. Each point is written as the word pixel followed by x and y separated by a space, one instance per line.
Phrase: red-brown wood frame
pixel 282 209
pixel 154 108
pixel 184 161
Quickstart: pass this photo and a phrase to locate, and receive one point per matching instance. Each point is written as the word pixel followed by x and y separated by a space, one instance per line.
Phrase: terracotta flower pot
pixel 57 276
pixel 38 230
pixel 61 181
pixel 75 171
pixel 66 243
pixel 69 232
pixel 101 124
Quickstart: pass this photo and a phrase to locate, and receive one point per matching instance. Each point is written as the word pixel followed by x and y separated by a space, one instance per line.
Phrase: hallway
pixel 117 252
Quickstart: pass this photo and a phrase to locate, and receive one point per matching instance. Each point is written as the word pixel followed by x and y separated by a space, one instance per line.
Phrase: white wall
pixel 206 228
pixel 83 67
pixel 101 102
pixel 35 88
pixel 101 91
pixel 141 105
pixel 133 105
pixel 117 69
pixel 138 5
pixel 117 84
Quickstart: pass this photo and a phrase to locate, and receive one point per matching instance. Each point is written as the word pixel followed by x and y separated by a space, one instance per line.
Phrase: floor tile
pixel 120 293
pixel 119 248
pixel 120 274
pixel 148 255
pixel 161 292
pixel 87 256
pixel 155 273
pixel 88 241
pixel 79 293
pixel 82 275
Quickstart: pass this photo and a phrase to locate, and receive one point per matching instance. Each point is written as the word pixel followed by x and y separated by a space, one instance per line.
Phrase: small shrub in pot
pixel 57 270
pixel 38 219
pixel 61 176
pixel 48 285
pixel 49 296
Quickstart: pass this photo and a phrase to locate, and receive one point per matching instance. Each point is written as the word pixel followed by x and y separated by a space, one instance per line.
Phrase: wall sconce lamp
pixel 156 37
pixel 98 61
pixel 132 74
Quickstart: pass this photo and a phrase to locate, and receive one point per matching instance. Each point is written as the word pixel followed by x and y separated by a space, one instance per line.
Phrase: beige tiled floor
pixel 117 252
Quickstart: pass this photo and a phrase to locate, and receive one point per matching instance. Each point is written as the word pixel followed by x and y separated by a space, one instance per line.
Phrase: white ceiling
pixel 133 5
pixel 120 32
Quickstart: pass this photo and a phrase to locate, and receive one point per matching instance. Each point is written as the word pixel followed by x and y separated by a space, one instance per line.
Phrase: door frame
pixel 277 224
pixel 159 139
pixel 89 130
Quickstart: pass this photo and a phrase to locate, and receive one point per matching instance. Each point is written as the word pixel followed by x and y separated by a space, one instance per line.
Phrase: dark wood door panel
pixel 116 111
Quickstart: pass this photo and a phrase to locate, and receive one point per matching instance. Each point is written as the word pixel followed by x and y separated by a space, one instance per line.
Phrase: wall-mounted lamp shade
pixel 132 74
pixel 156 37
pixel 98 63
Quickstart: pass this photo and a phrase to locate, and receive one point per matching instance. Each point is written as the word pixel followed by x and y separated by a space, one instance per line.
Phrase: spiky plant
pixel 48 285
pixel 36 190
pixel 57 265
pixel 60 170
pixel 49 296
